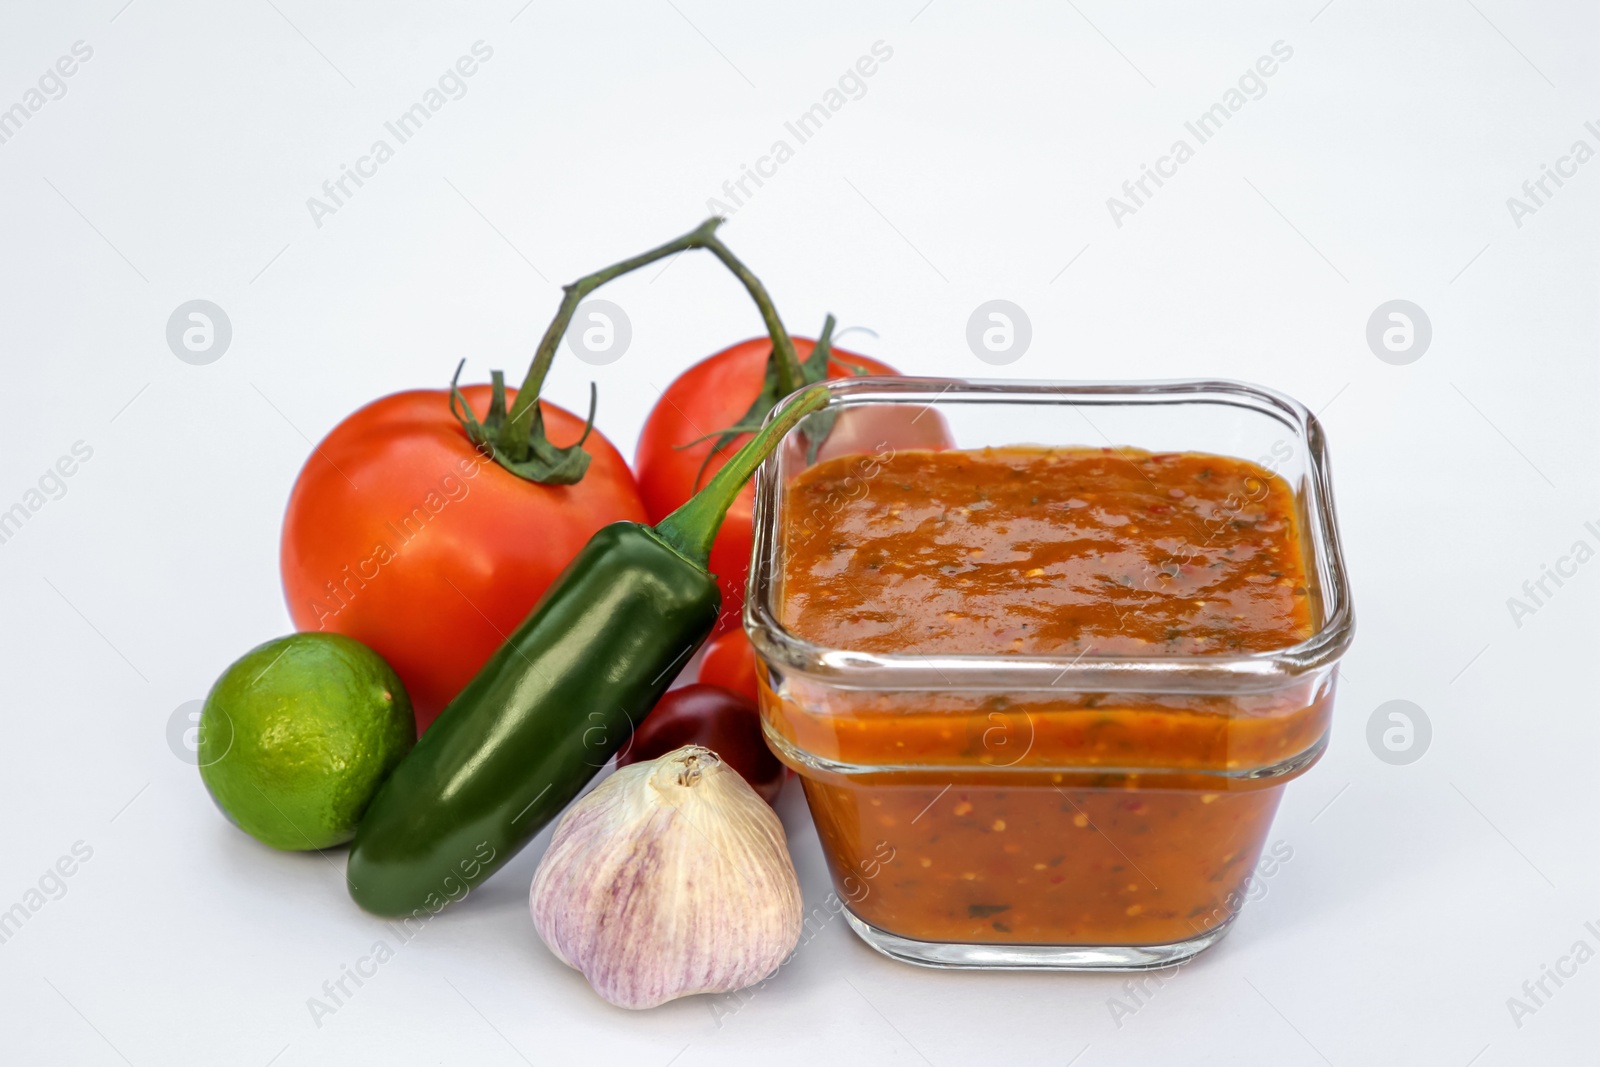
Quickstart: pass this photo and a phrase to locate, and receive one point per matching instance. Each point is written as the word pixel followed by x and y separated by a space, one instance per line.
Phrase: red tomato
pixel 712 394
pixel 400 534
pixel 722 721
pixel 731 663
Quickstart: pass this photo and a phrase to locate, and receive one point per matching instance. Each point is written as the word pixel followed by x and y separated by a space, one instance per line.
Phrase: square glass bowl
pixel 1046 812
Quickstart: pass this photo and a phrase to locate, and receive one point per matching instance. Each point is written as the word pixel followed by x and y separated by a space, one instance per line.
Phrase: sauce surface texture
pixel 1044 817
pixel 1074 551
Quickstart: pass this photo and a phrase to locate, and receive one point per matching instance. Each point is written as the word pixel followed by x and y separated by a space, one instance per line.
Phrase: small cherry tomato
pixel 731 663
pixel 721 720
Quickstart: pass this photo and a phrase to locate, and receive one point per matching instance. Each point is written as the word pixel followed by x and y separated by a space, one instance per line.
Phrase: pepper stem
pixel 693 527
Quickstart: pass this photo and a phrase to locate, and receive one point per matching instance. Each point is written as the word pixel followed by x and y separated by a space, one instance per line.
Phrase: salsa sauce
pixel 1070 551
pixel 1044 817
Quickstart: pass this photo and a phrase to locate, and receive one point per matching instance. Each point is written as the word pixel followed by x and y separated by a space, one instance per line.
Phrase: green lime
pixel 297 736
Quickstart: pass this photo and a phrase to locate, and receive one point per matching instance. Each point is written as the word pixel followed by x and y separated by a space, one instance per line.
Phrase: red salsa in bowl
pixel 987 817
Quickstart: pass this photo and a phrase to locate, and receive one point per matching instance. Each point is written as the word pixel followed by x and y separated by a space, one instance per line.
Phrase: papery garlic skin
pixel 672 877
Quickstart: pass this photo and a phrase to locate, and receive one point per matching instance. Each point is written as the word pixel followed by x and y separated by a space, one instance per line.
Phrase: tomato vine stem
pixel 522 430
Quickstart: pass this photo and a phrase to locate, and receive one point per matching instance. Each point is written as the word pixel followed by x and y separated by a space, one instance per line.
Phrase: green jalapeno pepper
pixel 554 703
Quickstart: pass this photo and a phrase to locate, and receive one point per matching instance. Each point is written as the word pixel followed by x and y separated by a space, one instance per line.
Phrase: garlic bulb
pixel 671 878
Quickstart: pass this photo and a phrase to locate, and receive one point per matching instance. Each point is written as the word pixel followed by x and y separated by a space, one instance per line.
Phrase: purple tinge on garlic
pixel 672 877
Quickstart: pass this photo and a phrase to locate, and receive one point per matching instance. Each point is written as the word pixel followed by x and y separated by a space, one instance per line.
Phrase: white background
pixel 976 166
